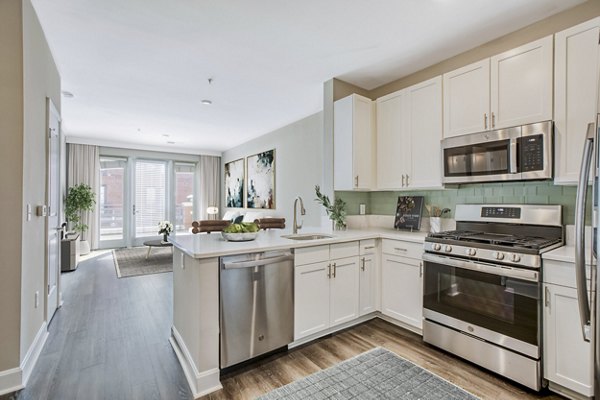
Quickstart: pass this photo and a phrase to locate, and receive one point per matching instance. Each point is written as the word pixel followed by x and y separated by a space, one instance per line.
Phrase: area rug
pixel 133 262
pixel 376 374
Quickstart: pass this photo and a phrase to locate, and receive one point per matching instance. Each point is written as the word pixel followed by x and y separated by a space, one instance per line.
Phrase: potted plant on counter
pixel 80 198
pixel 336 210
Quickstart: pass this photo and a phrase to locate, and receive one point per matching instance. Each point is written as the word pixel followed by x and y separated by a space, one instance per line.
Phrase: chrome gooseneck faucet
pixel 302 212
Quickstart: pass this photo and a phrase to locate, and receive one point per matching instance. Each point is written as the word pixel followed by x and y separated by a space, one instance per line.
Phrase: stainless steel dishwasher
pixel 257 304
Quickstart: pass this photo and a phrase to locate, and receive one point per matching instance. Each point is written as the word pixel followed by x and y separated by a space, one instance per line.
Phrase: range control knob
pixel 437 246
pixel 470 252
pixel 448 248
pixel 498 255
pixel 515 258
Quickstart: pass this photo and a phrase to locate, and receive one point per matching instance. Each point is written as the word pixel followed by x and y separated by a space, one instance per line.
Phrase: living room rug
pixel 376 374
pixel 133 262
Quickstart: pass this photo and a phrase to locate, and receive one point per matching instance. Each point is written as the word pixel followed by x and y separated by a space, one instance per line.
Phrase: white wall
pixel 298 166
pixel 40 80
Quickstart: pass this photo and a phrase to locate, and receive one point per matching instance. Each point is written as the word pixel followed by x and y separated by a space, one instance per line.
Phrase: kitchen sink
pixel 307 236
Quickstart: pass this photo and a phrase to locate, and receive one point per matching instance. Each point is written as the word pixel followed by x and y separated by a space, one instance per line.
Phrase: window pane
pixel 150 194
pixel 112 180
pixel 184 197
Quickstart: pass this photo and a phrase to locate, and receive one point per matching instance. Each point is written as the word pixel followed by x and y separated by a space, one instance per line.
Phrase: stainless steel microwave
pixel 512 154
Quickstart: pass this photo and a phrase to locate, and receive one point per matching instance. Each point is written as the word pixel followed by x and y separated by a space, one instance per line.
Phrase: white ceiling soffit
pixel 139 69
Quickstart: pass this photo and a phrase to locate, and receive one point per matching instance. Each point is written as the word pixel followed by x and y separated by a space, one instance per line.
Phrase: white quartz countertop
pixel 565 254
pixel 213 245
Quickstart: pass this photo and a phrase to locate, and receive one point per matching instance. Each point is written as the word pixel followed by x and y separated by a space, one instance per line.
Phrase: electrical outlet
pixel 37 298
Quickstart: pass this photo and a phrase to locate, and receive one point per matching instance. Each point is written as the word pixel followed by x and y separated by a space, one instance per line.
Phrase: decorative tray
pixel 239 237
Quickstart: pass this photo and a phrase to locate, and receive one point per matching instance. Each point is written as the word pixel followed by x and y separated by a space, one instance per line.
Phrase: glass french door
pixel 150 199
pixel 136 194
pixel 112 202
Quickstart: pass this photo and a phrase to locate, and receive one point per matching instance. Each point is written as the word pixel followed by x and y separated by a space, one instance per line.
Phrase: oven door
pixel 496 303
pixel 482 157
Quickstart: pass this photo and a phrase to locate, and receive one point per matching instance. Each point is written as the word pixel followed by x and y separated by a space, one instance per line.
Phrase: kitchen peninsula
pixel 196 265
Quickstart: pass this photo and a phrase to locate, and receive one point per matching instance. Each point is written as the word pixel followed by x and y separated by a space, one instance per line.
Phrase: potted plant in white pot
pixel 80 198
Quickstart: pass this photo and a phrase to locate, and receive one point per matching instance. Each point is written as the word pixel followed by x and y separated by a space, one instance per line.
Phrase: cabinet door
pixel 567 357
pixel 353 143
pixel 311 299
pixel 363 158
pixel 368 285
pixel 521 85
pixel 392 141
pixel 467 99
pixel 425 119
pixel 344 286
pixel 402 290
pixel 575 72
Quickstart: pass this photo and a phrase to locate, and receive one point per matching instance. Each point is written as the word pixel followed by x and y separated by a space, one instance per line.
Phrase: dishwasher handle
pixel 258 263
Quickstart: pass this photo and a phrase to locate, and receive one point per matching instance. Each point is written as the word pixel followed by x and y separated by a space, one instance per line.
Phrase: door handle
pixel 134 209
pixel 513 156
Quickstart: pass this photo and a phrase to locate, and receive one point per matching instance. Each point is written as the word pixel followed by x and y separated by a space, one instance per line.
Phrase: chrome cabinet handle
pixel 421 269
pixel 493 120
pixel 402 180
pixel 334 270
pixel 400 249
pixel 407 184
pixel 485 120
pixel 363 263
pixel 356 181
pixel 546 296
pixel 329 270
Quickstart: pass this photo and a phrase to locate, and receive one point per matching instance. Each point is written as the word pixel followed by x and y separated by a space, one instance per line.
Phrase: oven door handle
pixel 500 270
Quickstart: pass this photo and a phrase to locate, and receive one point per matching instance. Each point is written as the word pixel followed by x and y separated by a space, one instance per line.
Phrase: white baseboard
pixel 33 353
pixel 201 383
pixel 10 381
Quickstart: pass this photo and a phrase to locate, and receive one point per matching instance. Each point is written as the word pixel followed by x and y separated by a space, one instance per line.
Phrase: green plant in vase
pixel 336 210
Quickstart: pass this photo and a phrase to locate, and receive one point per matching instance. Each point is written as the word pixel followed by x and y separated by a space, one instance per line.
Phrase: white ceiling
pixel 139 68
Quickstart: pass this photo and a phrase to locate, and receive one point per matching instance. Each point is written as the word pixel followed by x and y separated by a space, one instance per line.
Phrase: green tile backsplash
pixel 384 203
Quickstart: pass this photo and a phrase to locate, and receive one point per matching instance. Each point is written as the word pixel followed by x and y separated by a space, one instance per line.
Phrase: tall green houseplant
pixel 80 198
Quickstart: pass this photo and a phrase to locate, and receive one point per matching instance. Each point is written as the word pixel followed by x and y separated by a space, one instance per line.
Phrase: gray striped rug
pixel 376 374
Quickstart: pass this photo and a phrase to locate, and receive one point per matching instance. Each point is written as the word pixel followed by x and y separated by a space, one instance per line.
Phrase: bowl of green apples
pixel 241 232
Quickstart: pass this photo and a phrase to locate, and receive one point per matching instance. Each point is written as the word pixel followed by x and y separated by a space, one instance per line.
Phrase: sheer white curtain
pixel 84 167
pixel 208 171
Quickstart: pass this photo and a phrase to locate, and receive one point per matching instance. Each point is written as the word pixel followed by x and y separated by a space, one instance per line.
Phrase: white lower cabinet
pixel 326 288
pixel 368 278
pixel 567 357
pixel 402 284
pixel 311 299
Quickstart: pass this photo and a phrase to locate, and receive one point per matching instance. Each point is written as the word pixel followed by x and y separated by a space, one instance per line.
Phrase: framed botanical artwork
pixel 234 183
pixel 260 190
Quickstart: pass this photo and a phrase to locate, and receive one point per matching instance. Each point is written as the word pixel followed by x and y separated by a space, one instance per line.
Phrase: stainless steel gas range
pixel 482 288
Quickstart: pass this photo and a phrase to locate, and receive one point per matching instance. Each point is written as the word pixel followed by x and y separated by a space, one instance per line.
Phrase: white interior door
pixel 53 203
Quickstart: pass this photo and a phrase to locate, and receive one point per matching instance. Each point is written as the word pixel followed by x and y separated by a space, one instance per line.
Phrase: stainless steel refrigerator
pixel 589 311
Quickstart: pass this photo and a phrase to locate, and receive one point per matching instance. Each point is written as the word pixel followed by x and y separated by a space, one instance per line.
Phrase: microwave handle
pixel 513 156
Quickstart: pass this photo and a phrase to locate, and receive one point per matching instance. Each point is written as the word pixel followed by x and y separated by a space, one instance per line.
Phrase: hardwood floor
pixel 110 341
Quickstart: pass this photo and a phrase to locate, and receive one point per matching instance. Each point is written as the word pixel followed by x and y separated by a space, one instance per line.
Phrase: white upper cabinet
pixel 467 99
pixel 509 89
pixel 353 144
pixel 393 141
pixel 576 68
pixel 409 130
pixel 521 79
pixel 424 102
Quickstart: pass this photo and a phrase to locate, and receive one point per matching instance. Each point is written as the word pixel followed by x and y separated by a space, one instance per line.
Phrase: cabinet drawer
pixel 367 246
pixel 399 248
pixel 562 273
pixel 311 255
pixel 342 250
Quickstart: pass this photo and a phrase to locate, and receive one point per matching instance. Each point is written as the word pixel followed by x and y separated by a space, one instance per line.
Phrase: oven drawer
pixel 400 248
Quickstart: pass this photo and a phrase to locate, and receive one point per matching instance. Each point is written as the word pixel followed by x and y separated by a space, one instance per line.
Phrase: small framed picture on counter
pixel 408 213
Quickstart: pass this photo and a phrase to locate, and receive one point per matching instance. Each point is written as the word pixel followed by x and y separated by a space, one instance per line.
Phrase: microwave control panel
pixel 532 153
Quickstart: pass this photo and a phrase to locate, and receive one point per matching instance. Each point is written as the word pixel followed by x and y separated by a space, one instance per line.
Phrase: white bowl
pixel 239 237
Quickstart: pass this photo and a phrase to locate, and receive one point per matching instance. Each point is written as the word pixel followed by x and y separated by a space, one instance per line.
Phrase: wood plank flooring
pixel 110 341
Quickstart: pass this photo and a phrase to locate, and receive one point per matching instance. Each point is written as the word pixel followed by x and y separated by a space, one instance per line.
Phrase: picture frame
pixel 235 180
pixel 260 180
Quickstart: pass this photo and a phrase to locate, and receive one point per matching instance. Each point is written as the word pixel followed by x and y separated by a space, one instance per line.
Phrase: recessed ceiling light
pixel 166 135
pixel 207 102
pixel 67 94
pixel 170 142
